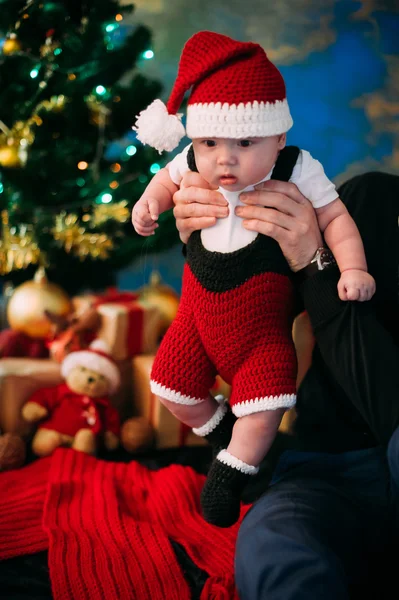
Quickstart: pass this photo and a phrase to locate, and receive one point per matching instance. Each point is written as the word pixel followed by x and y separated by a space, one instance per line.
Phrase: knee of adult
pixel 254 558
pixel 269 559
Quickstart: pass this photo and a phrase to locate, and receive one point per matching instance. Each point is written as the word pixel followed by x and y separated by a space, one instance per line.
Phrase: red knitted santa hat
pixel 96 358
pixel 236 92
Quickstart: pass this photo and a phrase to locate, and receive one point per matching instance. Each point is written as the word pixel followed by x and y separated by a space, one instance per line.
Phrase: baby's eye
pixel 245 143
pixel 209 143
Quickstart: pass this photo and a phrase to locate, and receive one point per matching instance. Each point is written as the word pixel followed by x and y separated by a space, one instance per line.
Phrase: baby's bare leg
pixel 193 415
pixel 254 434
pixel 209 419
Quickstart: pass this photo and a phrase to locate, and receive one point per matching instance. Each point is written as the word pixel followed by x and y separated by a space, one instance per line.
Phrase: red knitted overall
pixel 235 320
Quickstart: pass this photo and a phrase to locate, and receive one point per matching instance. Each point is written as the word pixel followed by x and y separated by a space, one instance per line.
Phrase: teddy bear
pixel 77 413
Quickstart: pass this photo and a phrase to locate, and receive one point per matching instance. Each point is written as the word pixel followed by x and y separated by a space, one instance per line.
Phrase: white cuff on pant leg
pixel 212 423
pixel 172 395
pixel 230 460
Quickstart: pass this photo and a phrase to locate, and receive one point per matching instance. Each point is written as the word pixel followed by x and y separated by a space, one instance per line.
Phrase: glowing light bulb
pixel 155 168
pixel 148 54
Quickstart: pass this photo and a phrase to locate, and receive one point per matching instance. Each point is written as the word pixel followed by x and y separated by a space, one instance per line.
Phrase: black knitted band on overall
pixel 219 272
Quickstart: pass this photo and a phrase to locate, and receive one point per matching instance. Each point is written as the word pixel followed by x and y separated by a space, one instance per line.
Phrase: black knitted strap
pixel 260 256
pixel 285 163
pixel 191 160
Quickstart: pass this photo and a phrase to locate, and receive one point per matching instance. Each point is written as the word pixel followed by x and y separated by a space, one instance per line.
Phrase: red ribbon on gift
pixel 113 295
pixel 134 336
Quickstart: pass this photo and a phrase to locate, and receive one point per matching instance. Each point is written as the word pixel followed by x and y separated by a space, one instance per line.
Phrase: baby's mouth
pixel 228 180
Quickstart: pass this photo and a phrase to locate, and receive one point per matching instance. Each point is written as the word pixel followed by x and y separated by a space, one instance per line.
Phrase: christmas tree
pixel 70 166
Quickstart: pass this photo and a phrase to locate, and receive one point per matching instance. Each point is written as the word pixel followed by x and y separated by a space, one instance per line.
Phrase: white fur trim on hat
pixel 157 128
pixel 96 362
pixel 238 121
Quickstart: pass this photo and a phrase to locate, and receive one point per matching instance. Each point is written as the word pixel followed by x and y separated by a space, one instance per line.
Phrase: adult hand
pixel 279 210
pixel 197 205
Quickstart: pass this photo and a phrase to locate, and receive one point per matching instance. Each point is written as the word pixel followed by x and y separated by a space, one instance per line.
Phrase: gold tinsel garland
pixel 18 248
pixel 73 236
pixel 117 211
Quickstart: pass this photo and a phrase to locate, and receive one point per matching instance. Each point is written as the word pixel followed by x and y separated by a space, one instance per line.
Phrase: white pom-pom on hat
pixel 157 128
pixel 96 358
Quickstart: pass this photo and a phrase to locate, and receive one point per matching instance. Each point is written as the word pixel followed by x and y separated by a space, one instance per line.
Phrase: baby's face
pixel 235 164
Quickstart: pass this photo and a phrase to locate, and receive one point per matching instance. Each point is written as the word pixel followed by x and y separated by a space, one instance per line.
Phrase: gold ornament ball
pixel 25 310
pixel 12 45
pixel 137 434
pixel 10 157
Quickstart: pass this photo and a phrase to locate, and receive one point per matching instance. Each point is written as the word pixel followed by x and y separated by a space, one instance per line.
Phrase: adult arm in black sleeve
pixel 359 341
pixel 359 351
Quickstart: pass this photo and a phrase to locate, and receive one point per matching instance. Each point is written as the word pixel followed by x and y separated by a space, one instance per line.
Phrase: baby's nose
pixel 227 157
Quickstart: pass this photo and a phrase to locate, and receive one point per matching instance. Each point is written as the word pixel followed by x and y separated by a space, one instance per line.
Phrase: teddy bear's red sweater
pixel 69 412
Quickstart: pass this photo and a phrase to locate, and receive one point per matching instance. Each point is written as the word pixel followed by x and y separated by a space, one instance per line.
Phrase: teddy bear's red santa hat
pixel 96 358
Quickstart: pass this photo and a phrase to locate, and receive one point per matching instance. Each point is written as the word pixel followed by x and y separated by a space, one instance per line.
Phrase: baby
pixel 236 310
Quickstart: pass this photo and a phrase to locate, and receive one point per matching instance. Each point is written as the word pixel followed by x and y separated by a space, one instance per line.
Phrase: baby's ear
pixel 282 141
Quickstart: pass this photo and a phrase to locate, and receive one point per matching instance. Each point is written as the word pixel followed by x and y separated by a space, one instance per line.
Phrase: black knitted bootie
pixel 220 496
pixel 218 430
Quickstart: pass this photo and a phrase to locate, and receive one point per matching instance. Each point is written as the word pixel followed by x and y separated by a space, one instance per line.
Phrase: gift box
pixel 129 324
pixel 169 432
pixel 19 378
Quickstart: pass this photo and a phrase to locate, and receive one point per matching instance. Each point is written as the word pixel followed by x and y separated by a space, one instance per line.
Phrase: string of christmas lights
pixel 105 173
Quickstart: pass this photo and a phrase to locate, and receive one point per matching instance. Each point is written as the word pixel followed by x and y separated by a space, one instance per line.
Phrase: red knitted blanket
pixel 107 528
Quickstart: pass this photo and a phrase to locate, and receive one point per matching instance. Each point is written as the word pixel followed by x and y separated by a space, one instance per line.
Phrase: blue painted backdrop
pixel 340 61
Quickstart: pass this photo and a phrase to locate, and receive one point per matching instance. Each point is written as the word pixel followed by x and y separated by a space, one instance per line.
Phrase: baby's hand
pixel 356 285
pixel 145 215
